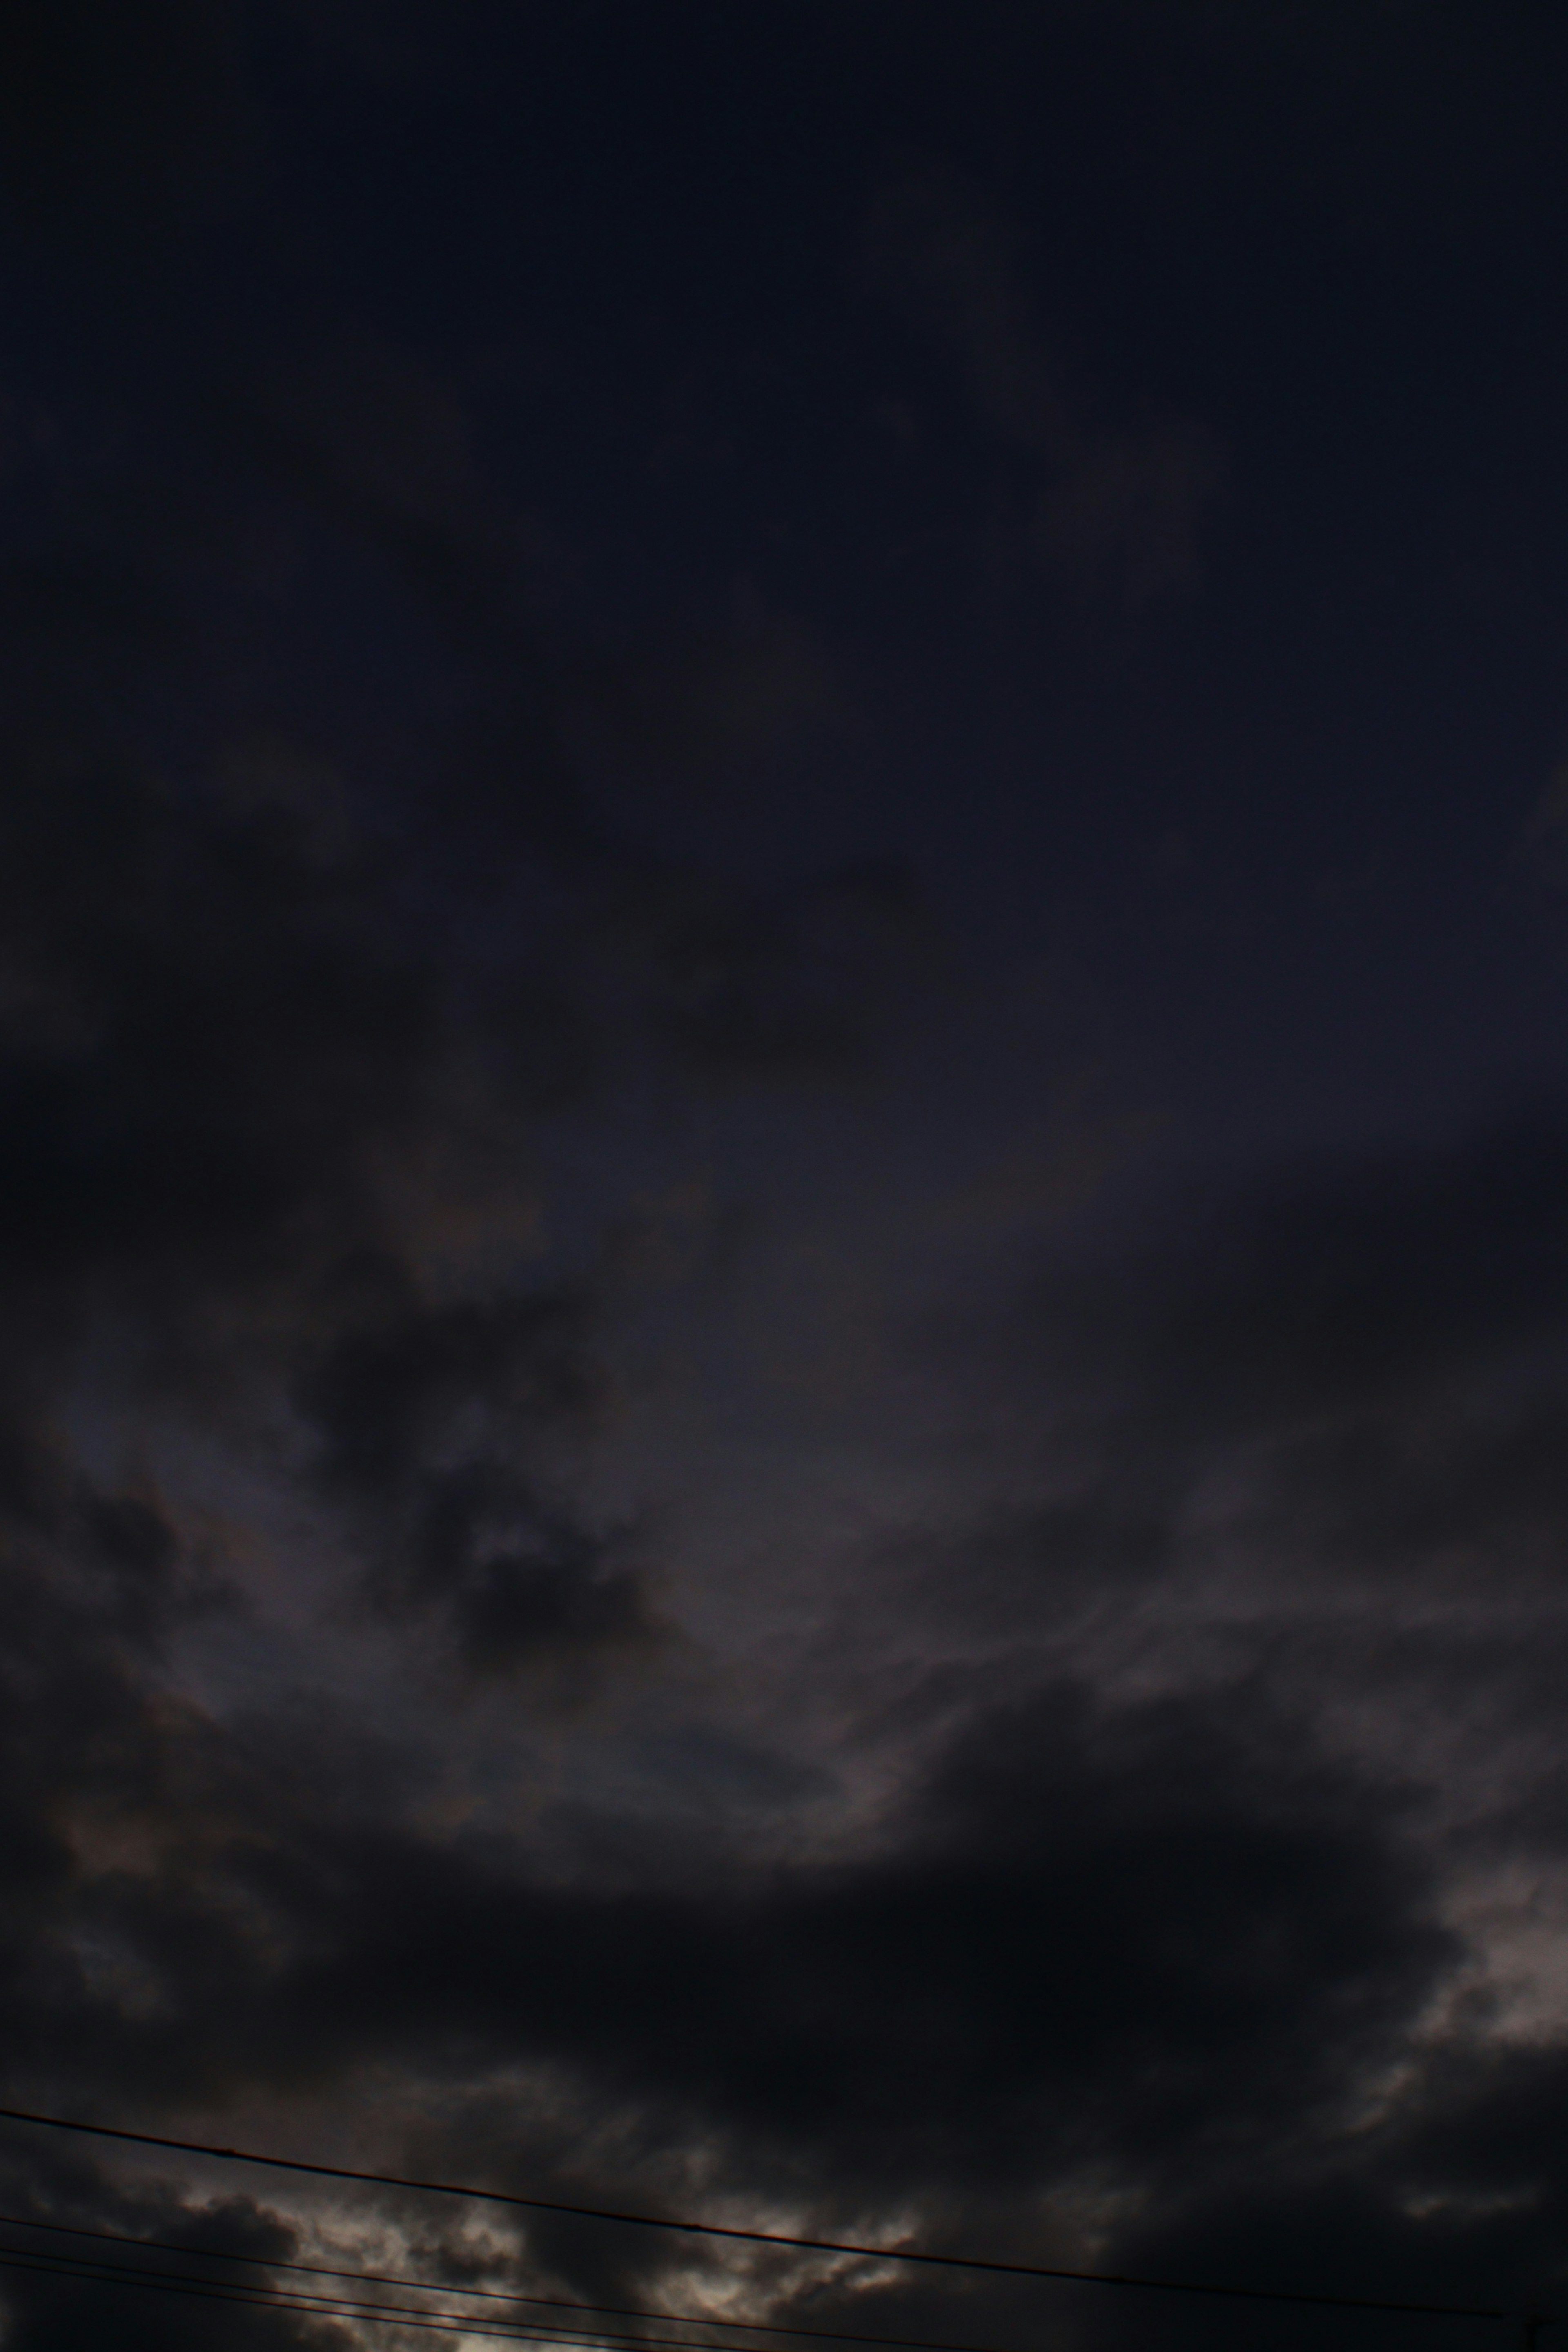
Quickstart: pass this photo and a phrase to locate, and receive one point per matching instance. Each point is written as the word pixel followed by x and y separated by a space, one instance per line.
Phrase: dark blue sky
pixel 1270 791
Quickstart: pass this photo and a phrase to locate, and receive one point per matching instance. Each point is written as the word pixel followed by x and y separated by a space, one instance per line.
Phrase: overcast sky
pixel 783 1221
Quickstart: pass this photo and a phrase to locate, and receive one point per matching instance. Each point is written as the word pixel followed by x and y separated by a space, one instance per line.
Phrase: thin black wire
pixel 94 2272
pixel 258 2298
pixel 539 2333
pixel 89 2271
pixel 752 2237
pixel 497 2294
pixel 104 2273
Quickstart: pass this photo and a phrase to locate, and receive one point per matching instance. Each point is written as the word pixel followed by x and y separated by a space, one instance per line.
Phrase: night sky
pixel 784 1156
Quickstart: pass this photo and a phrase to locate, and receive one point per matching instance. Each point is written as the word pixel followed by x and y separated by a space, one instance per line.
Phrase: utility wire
pixel 104 2273
pixel 497 2294
pixel 96 2273
pixel 258 2298
pixel 90 2272
pixel 753 2237
pixel 538 2332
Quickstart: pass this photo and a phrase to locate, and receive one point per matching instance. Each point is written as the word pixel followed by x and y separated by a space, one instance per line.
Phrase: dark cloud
pixel 1302 1465
pixel 1088 1784
pixel 418 1409
pixel 1122 1940
pixel 290 1001
pixel 1161 1950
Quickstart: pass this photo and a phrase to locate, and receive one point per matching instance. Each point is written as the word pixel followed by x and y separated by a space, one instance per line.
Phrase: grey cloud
pixel 1087 1868
pixel 1300 1460
pixel 1173 1946
pixel 1112 1935
pixel 278 1042
pixel 426 1418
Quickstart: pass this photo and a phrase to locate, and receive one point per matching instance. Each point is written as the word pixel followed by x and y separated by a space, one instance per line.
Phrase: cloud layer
pixel 606 1592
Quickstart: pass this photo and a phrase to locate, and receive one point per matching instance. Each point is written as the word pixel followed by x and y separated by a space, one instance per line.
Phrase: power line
pixel 106 2274
pixel 91 2271
pixel 492 2294
pixel 261 2298
pixel 496 2294
pixel 752 2237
